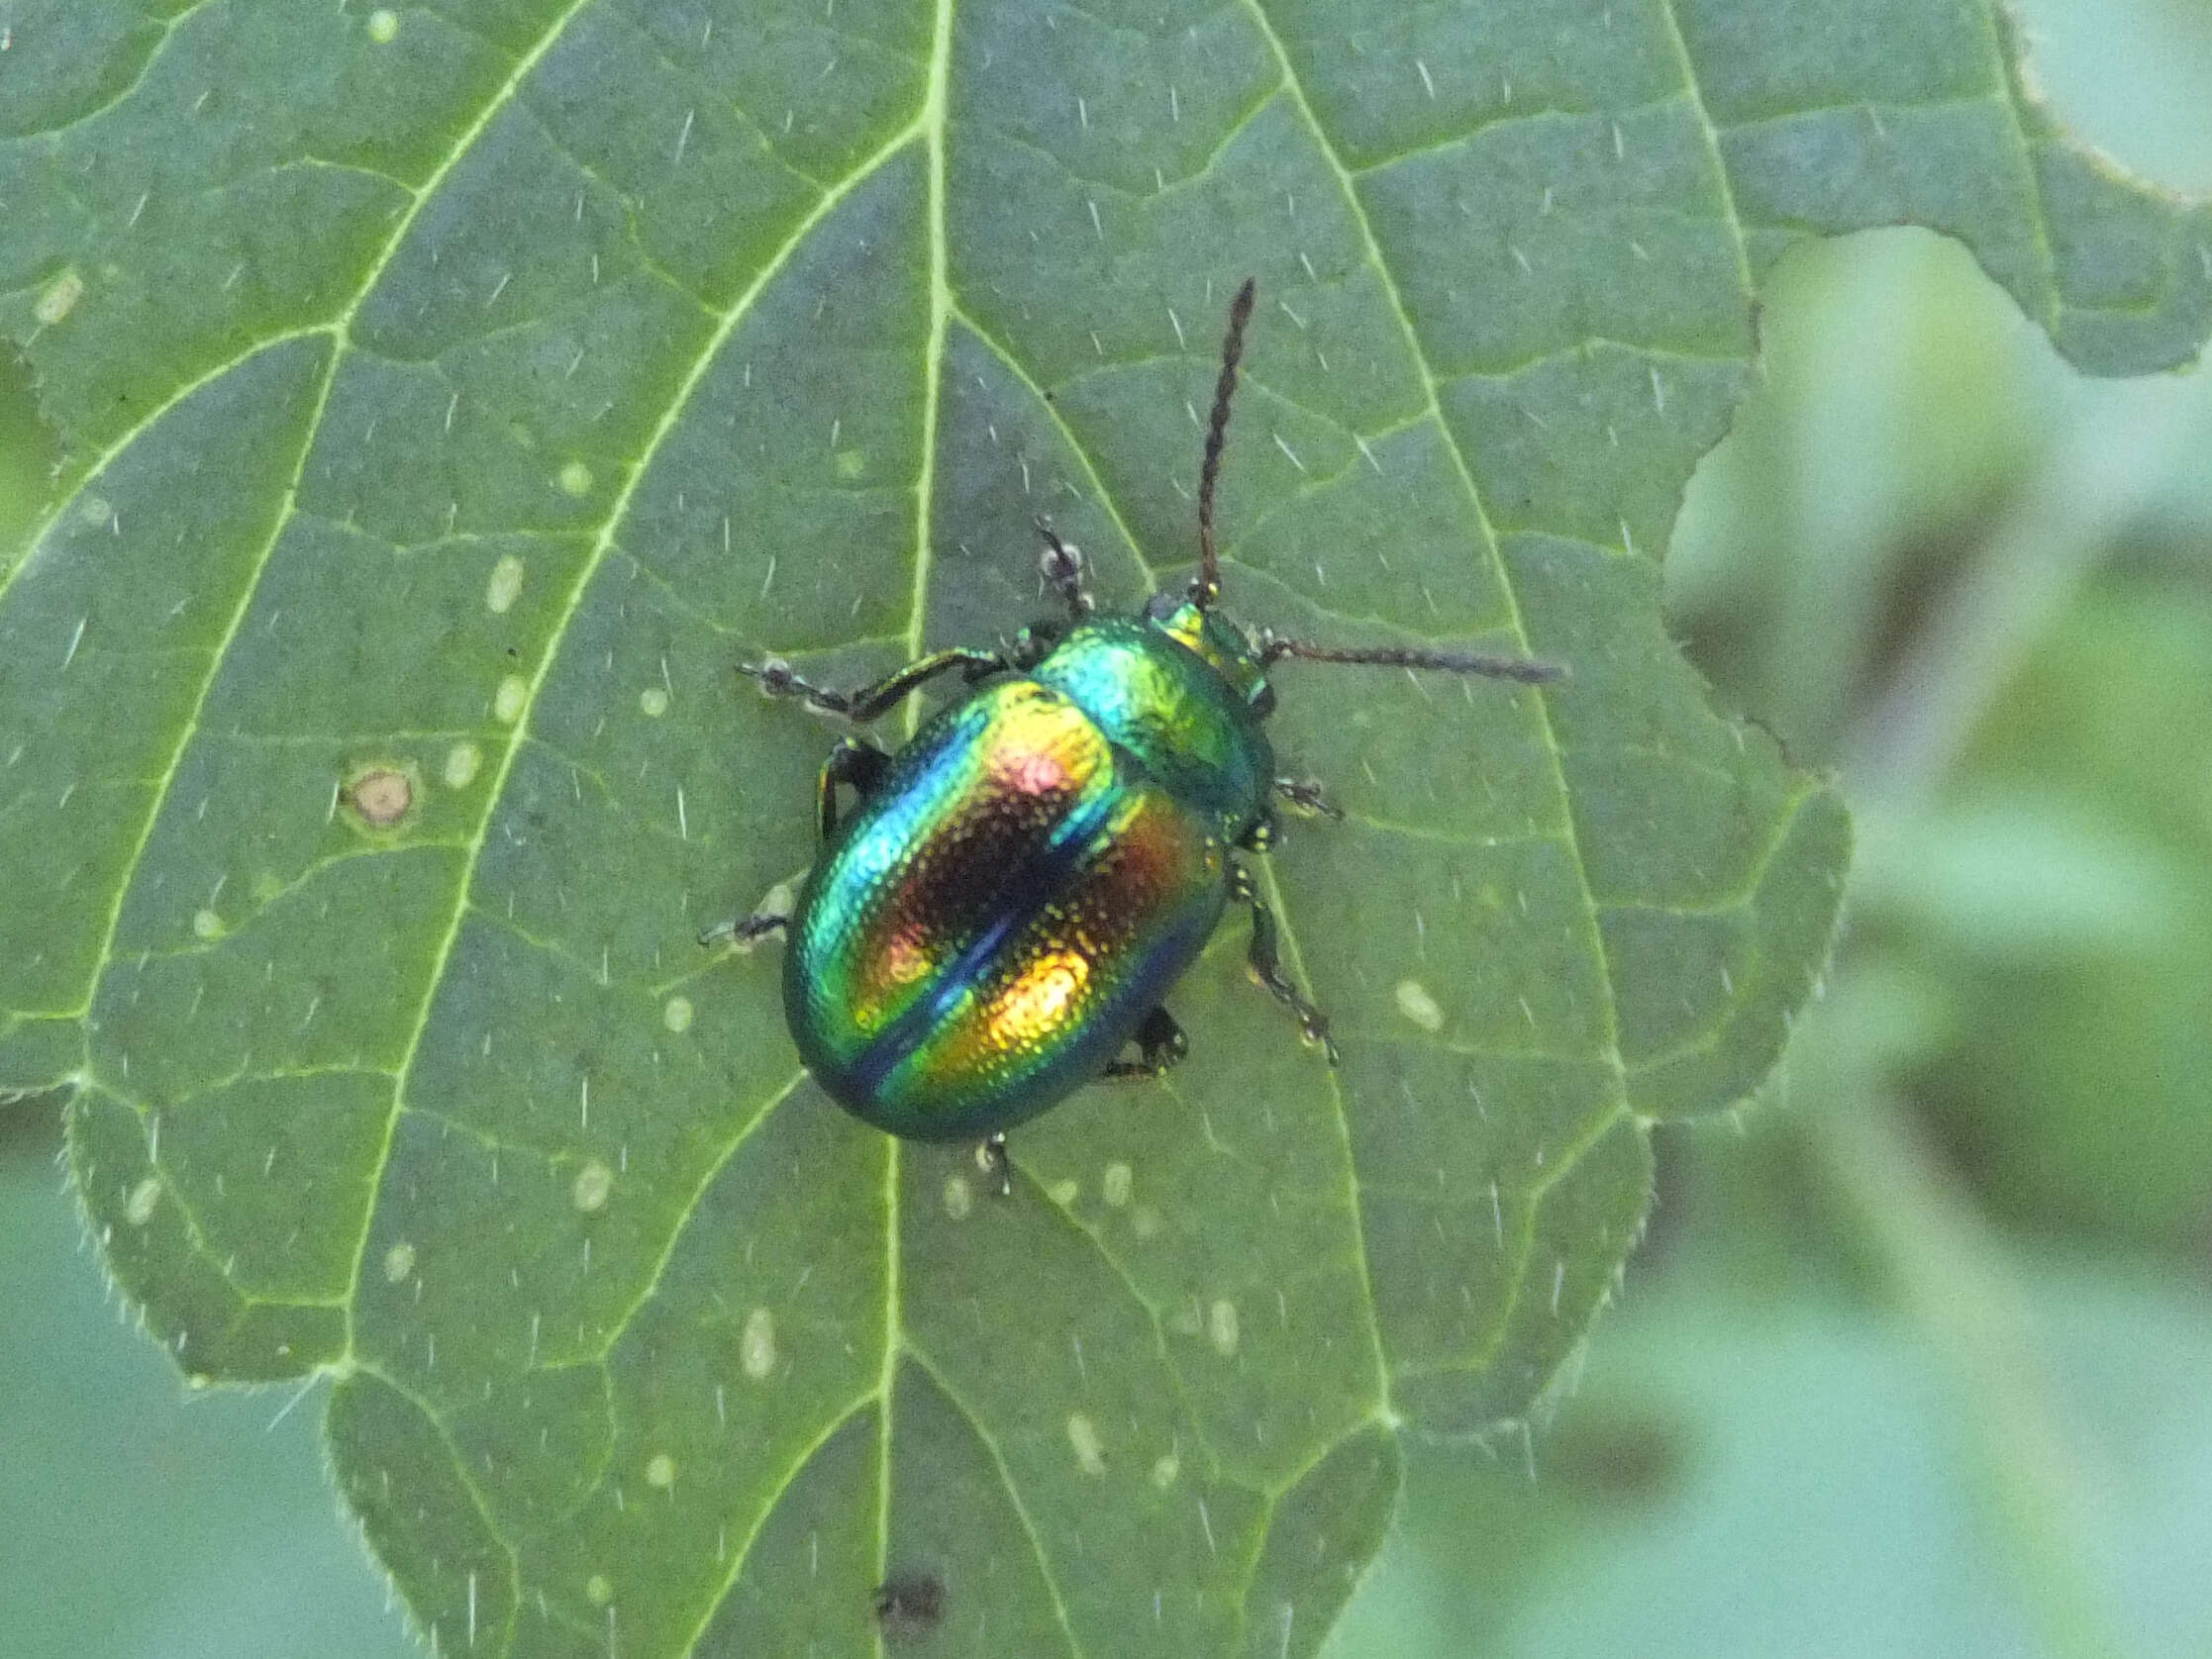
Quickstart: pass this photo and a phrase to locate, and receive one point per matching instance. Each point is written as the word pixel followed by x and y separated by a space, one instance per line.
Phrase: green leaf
pixel 460 392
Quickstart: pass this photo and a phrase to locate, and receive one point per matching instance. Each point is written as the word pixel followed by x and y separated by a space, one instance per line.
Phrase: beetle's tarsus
pixel 1307 795
pixel 992 1158
pixel 1061 564
pixel 745 929
pixel 777 678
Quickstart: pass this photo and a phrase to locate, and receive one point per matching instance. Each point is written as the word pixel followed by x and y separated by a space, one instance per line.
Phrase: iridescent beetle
pixel 996 920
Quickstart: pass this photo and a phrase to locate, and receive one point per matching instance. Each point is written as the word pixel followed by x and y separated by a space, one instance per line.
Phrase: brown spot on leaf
pixel 382 796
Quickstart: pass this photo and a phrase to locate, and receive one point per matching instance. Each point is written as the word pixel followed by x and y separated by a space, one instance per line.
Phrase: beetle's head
pixel 1216 641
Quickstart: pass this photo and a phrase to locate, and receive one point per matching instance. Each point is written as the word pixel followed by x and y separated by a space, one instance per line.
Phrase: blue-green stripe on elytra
pixel 1038 883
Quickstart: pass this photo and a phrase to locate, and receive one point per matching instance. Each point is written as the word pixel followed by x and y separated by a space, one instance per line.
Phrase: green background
pixel 1914 1361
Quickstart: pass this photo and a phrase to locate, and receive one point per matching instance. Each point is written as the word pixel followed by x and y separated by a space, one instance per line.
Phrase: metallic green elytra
pixel 998 917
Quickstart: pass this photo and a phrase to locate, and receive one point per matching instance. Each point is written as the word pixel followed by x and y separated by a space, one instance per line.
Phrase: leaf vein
pixel 990 1445
pixel 1352 1209
pixel 1695 92
pixel 1389 283
pixel 1121 1272
pixel 1015 367
pixel 684 1215
pixel 468 1483
pixel 743 1551
pixel 169 27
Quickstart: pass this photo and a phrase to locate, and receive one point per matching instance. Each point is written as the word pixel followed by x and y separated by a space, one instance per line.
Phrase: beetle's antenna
pixel 1525 670
pixel 1207 588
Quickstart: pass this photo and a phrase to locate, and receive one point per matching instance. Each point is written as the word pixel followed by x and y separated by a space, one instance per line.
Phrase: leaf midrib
pixel 931 121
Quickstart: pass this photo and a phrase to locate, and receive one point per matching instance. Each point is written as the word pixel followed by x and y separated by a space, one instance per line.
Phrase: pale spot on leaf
pixel 593 1182
pixel 1220 1327
pixel 1415 1003
pixel 504 585
pixel 1090 1451
pixel 139 1207
pixel 756 1346
pixel 58 298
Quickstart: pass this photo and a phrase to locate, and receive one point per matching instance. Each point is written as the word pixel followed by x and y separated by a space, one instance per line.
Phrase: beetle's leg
pixel 1061 564
pixel 871 702
pixel 1306 795
pixel 745 930
pixel 991 1159
pixel 1267 962
pixel 855 761
pixel 1161 1046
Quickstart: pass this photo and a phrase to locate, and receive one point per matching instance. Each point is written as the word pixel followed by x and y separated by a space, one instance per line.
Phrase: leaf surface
pixel 462 390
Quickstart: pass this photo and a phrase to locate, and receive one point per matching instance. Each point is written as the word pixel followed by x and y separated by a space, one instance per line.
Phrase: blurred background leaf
pixel 136 1527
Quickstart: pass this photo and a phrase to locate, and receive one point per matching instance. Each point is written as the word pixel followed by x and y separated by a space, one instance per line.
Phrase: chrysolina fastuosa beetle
pixel 995 922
